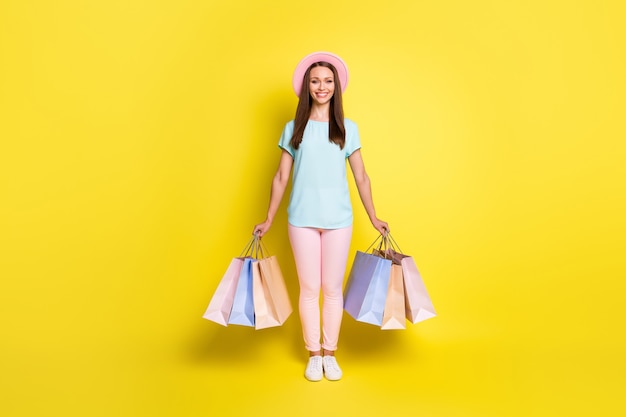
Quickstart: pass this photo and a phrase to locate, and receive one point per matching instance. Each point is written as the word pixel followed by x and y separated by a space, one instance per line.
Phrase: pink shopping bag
pixel 418 304
pixel 222 301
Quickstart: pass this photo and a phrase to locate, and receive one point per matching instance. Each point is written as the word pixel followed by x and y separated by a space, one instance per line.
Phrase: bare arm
pixel 365 190
pixel 279 184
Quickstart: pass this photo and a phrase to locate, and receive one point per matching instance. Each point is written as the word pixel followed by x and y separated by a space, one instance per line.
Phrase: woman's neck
pixel 320 113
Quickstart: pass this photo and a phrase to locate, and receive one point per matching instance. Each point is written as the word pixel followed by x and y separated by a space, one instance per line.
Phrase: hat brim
pixel 307 61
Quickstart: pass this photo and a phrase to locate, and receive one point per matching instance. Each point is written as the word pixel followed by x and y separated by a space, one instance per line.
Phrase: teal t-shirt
pixel 319 195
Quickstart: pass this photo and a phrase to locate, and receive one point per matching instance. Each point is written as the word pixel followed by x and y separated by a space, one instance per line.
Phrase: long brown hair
pixel 336 128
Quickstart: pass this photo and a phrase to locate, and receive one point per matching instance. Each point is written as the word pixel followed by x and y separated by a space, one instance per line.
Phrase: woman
pixel 316 144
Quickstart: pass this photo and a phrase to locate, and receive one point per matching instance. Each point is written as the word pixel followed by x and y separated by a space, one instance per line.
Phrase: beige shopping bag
pixel 394 313
pixel 264 312
pixel 270 290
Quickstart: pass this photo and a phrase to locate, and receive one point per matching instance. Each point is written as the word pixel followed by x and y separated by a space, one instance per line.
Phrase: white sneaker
pixel 332 371
pixel 314 370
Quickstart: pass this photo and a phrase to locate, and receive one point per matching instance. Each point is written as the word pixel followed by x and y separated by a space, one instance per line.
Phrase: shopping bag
pixel 242 312
pixel 394 313
pixel 222 301
pixel 264 312
pixel 418 305
pixel 272 306
pixel 367 286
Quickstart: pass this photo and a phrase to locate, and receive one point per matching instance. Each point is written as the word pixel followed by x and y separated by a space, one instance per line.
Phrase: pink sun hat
pixel 307 61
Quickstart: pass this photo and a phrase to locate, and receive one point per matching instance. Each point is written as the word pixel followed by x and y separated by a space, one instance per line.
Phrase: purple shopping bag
pixel 242 312
pixel 367 287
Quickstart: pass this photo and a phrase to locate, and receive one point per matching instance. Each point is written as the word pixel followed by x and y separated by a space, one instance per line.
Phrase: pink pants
pixel 321 256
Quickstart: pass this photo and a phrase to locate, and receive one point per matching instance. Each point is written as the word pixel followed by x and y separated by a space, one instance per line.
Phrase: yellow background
pixel 138 141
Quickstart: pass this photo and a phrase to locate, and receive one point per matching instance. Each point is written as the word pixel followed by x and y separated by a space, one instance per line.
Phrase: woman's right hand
pixel 262 228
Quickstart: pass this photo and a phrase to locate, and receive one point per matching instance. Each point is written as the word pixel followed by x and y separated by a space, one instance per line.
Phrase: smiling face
pixel 321 85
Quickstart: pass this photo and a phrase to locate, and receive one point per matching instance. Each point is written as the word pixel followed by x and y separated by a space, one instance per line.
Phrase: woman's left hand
pixel 381 226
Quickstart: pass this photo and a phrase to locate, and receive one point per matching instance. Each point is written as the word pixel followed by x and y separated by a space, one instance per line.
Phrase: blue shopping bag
pixel 242 311
pixel 366 291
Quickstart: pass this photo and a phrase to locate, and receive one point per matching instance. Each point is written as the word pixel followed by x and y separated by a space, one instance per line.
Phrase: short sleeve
pixel 353 141
pixel 285 138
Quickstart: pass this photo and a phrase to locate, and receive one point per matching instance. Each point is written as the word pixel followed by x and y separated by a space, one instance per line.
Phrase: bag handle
pixel 248 249
pixel 392 243
pixel 373 243
pixel 255 248
pixel 382 244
